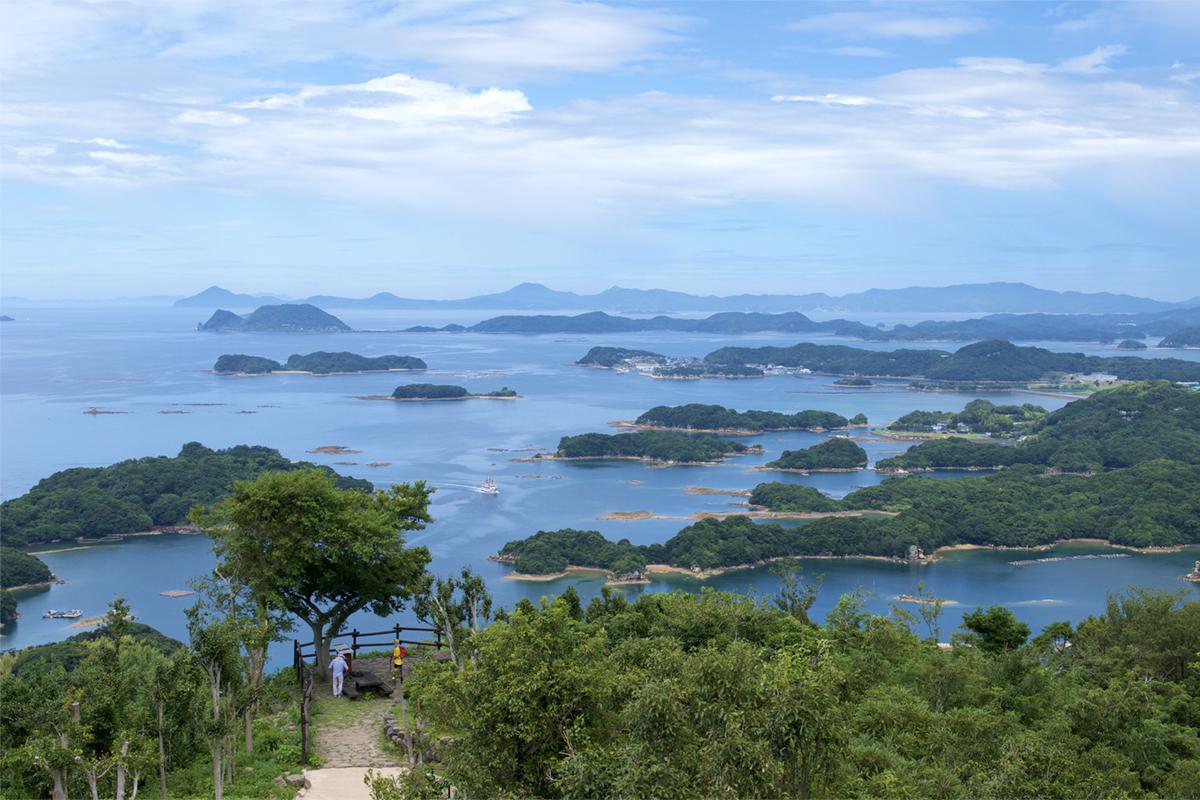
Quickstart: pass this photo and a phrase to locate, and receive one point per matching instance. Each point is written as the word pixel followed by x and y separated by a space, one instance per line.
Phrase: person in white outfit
pixel 338 667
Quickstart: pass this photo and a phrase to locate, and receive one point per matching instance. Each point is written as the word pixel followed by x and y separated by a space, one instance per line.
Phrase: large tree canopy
pixel 321 552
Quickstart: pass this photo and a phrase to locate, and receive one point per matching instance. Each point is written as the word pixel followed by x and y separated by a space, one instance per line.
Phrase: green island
pixel 718 419
pixel 317 363
pixel 283 318
pixel 660 447
pixel 136 495
pixel 978 416
pixel 689 372
pixel 836 454
pixel 854 382
pixel 433 391
pixel 1186 337
pixel 1131 344
pixel 610 357
pixel 1113 428
pixel 988 361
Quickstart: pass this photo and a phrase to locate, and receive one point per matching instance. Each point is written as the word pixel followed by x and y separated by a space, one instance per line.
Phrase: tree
pixel 458 607
pixel 794 597
pixel 320 552
pixel 996 630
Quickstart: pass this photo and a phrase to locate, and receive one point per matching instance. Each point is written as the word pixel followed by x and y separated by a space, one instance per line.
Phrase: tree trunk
pixel 162 752
pixel 214 676
pixel 136 777
pixel 218 787
pixel 322 646
pixel 91 778
pixel 121 770
pixel 249 730
pixel 59 792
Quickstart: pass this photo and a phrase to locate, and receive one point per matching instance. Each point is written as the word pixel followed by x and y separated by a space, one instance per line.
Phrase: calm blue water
pixel 145 361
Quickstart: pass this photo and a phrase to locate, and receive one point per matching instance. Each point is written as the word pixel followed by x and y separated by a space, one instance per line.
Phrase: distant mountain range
pixel 973 297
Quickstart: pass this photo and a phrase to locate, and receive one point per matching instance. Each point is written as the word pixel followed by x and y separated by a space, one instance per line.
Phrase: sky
pixel 444 149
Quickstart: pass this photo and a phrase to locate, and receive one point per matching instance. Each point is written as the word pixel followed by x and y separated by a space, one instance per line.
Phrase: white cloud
pixel 827 99
pixel 885 25
pixel 112 144
pixel 219 119
pixel 1093 62
pixel 402 98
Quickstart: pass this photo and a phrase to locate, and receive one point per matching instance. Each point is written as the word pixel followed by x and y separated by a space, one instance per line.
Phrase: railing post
pixel 354 642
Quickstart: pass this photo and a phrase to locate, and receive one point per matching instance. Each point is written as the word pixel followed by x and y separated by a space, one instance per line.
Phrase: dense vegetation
pixel 318 363
pixel 503 391
pixel 1117 427
pixel 284 318
pixel 853 382
pixel 836 453
pixel 663 446
pixel 717 695
pixel 699 416
pixel 429 391
pixel 137 494
pixel 978 416
pixel 1131 344
pixel 548 552
pixel 1185 337
pixel 615 356
pixel 1154 504
pixel 18 569
pixel 983 361
pixel 8 607
pixel 700 370
pixel 241 364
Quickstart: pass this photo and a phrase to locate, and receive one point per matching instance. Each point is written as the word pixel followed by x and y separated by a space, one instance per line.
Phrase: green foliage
pixel 666 446
pixel 428 391
pixel 791 497
pixel 503 391
pixel 684 695
pixel 995 630
pixel 8 607
pixel 978 416
pixel 698 416
pixel 67 654
pixel 1131 344
pixel 18 569
pixel 835 453
pixel 323 363
pixel 1114 428
pixel 241 364
pixel 547 552
pixel 135 495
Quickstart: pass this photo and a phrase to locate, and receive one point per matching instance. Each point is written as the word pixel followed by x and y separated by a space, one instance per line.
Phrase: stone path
pixel 340 783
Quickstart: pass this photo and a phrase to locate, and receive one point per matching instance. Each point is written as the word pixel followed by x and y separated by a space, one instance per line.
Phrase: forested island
pixel 980 362
pixel 1044 327
pixel 832 455
pixel 1185 337
pixel 433 391
pixel 137 495
pixel 700 417
pixel 1114 428
pixel 317 363
pixel 284 318
pixel 978 416
pixel 660 447
pixel 731 322
pixel 1131 344
pixel 617 356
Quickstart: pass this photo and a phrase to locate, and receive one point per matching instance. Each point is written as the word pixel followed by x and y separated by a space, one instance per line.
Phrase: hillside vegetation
pixel 661 446
pixel 137 494
pixel 1118 427
pixel 699 416
pixel 836 453
pixel 18 569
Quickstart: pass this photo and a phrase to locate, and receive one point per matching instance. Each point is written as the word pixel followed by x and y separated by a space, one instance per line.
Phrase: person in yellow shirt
pixel 398 654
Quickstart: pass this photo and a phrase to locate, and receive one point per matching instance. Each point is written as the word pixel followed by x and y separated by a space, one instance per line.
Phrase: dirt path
pixel 340 783
pixel 349 733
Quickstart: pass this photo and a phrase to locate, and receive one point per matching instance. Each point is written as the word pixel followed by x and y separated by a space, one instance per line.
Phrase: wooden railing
pixel 306 672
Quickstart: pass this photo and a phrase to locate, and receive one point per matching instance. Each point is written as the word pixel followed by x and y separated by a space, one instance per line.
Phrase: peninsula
pixel 702 418
pixel 1111 429
pixel 658 447
pixel 285 318
pixel 317 363
pixel 1185 337
pixel 978 416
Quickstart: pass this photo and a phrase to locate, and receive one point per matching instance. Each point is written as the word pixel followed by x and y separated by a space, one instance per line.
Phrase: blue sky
pixel 442 149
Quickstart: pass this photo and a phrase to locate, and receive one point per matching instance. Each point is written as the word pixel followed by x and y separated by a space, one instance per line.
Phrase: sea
pixel 152 369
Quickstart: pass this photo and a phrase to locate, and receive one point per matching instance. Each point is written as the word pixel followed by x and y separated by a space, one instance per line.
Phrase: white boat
pixel 489 487
pixel 73 613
